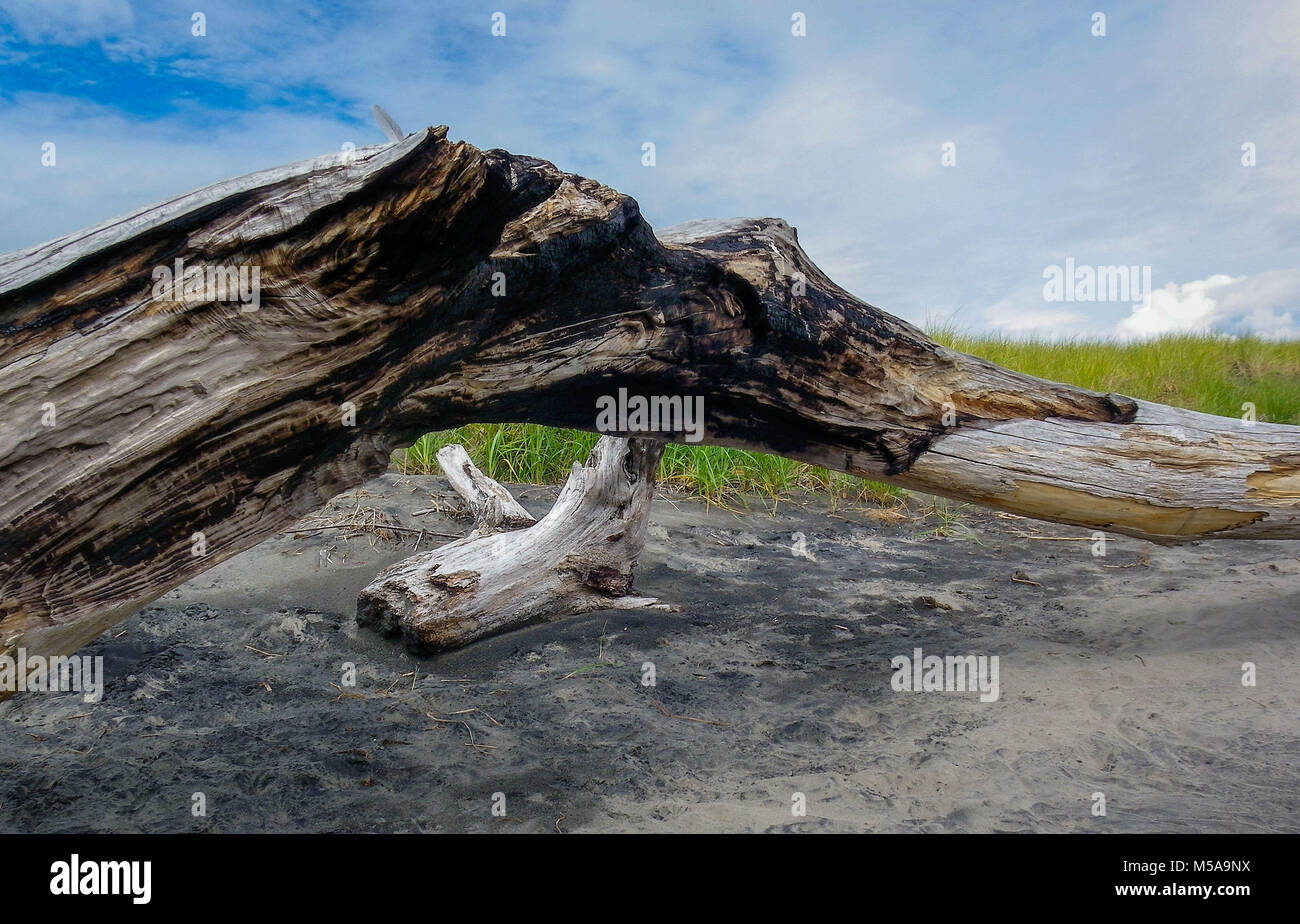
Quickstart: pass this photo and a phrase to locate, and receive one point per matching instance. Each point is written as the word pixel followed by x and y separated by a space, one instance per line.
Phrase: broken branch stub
pixel 492 506
pixel 579 557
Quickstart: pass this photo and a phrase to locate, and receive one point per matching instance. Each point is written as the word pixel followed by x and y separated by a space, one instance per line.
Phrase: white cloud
pixel 67 22
pixel 1265 305
pixel 1012 318
pixel 108 165
pixel 1186 308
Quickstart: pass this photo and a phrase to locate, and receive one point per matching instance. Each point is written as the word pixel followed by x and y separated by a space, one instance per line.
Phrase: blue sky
pixel 1122 149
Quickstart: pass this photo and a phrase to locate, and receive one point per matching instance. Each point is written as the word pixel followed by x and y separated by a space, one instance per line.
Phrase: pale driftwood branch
pixel 134 423
pixel 493 507
pixel 1168 475
pixel 579 557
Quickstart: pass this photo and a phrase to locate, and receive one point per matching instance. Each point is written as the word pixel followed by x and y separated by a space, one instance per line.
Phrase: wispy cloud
pixel 70 22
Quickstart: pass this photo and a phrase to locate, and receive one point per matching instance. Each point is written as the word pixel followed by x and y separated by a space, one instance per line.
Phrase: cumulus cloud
pixel 1266 305
pixel 1186 308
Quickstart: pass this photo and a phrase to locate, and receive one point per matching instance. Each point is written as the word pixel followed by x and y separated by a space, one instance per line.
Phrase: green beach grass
pixel 1216 375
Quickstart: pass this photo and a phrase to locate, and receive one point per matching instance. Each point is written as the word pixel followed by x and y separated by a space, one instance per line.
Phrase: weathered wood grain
pixel 492 506
pixel 580 557
pixel 179 420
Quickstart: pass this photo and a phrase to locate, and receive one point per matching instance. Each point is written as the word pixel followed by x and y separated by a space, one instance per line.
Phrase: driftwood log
pixel 510 570
pixel 149 431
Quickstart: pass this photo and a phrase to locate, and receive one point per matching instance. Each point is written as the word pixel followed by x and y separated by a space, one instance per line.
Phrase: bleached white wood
pixel 492 506
pixel 579 557
pixel 1169 475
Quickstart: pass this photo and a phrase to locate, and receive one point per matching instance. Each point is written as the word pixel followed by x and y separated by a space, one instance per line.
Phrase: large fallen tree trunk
pixel 149 431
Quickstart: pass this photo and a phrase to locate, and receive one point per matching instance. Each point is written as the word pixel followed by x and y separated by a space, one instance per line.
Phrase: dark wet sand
pixel 1119 675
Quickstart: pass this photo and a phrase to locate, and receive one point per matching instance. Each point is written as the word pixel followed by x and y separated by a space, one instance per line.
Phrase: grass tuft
pixel 1207 373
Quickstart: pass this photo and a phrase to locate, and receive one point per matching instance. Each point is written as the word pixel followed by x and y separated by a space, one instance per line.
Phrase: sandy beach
pixel 1119 675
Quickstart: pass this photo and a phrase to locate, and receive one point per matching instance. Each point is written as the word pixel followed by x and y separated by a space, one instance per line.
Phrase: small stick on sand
pixel 472 743
pixel 1065 538
pixel 346 693
pixel 371 528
